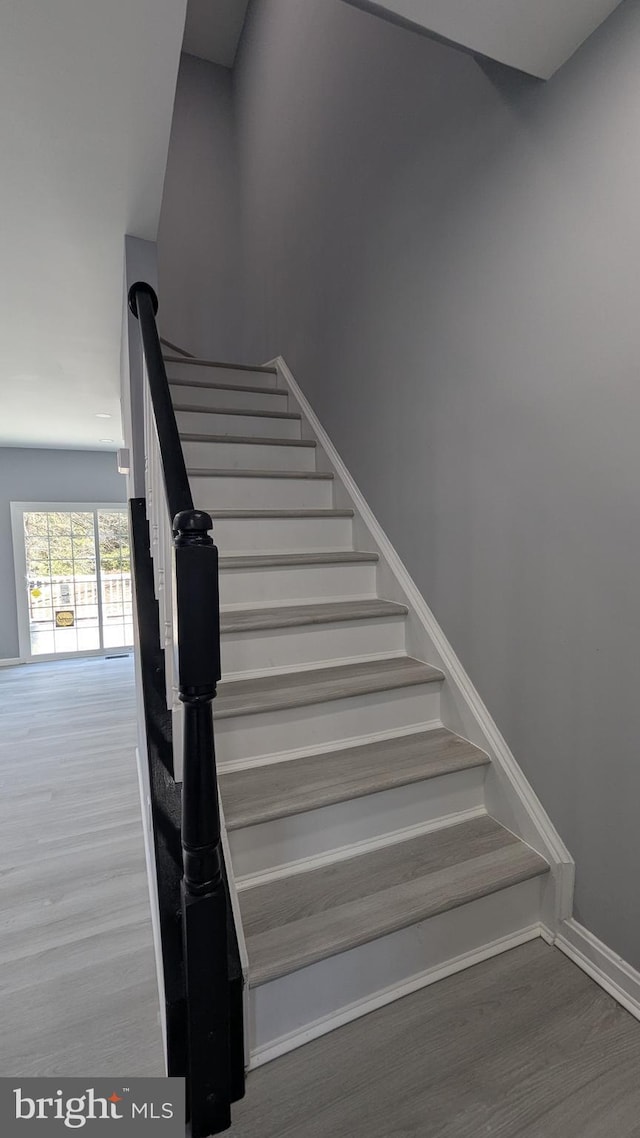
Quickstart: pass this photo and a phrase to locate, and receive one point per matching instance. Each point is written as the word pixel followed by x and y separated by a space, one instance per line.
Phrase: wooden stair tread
pixel 304 917
pixel 246 411
pixel 213 386
pixel 218 363
pixel 229 472
pixel 278 790
pixel 246 440
pixel 317 685
pixel 298 615
pixel 276 560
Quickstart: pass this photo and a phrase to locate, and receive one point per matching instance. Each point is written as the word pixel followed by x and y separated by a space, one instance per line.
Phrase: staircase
pixel 379 833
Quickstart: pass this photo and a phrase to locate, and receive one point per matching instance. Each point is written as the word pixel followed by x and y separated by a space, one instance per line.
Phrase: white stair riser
pixel 286 1013
pixel 278 535
pixel 310 644
pixel 296 582
pixel 269 733
pixel 221 375
pixel 269 845
pixel 248 456
pixel 260 426
pixel 228 397
pixel 229 493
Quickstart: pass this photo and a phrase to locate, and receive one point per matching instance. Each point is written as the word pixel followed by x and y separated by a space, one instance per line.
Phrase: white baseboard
pixel 11 663
pixel 601 963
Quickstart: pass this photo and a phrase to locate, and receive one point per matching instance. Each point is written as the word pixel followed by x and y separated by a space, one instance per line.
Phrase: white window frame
pixel 18 510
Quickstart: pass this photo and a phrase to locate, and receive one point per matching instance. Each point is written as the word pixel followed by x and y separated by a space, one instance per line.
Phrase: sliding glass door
pixel 73 579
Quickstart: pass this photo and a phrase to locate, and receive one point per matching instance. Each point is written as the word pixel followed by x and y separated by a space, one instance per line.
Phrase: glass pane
pixel 42 641
pixel 61 569
pixel 41 615
pixel 66 639
pixel 35 523
pixel 84 570
pixel 88 637
pixel 115 572
pixel 82 525
pixel 115 635
pixel 37 549
pixel 62 592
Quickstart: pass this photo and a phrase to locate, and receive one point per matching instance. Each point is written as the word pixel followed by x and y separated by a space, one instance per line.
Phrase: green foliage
pixel 62 544
pixel 114 542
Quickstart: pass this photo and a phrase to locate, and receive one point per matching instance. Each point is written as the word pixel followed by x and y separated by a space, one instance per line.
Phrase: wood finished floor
pixel 521 1046
pixel 78 991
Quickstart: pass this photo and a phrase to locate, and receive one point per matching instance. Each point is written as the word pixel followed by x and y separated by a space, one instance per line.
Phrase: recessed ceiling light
pixel 103 415
pixel 105 440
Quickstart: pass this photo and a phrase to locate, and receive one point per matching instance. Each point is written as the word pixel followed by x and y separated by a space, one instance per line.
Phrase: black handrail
pixel 143 302
pixel 205 910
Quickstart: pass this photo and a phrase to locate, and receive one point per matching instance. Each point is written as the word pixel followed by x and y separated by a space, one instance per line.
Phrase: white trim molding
pixel 601 963
pixel 11 663
pixel 508 795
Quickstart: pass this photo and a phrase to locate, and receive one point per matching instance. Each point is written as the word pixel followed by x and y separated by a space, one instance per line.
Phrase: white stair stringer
pixel 343 757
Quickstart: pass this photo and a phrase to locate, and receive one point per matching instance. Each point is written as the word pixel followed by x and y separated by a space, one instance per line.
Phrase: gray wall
pixel 198 221
pixel 447 255
pixel 140 264
pixel 448 258
pixel 45 476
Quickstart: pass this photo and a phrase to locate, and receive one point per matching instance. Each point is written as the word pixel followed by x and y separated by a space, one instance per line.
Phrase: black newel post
pixel 204 913
pixel 205 918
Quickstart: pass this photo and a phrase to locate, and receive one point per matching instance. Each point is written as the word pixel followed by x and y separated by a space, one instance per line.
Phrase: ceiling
pixel 213 29
pixel 86 99
pixel 535 36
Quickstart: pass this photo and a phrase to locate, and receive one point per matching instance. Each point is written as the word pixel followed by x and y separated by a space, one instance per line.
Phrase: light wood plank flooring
pixel 78 992
pixel 521 1046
